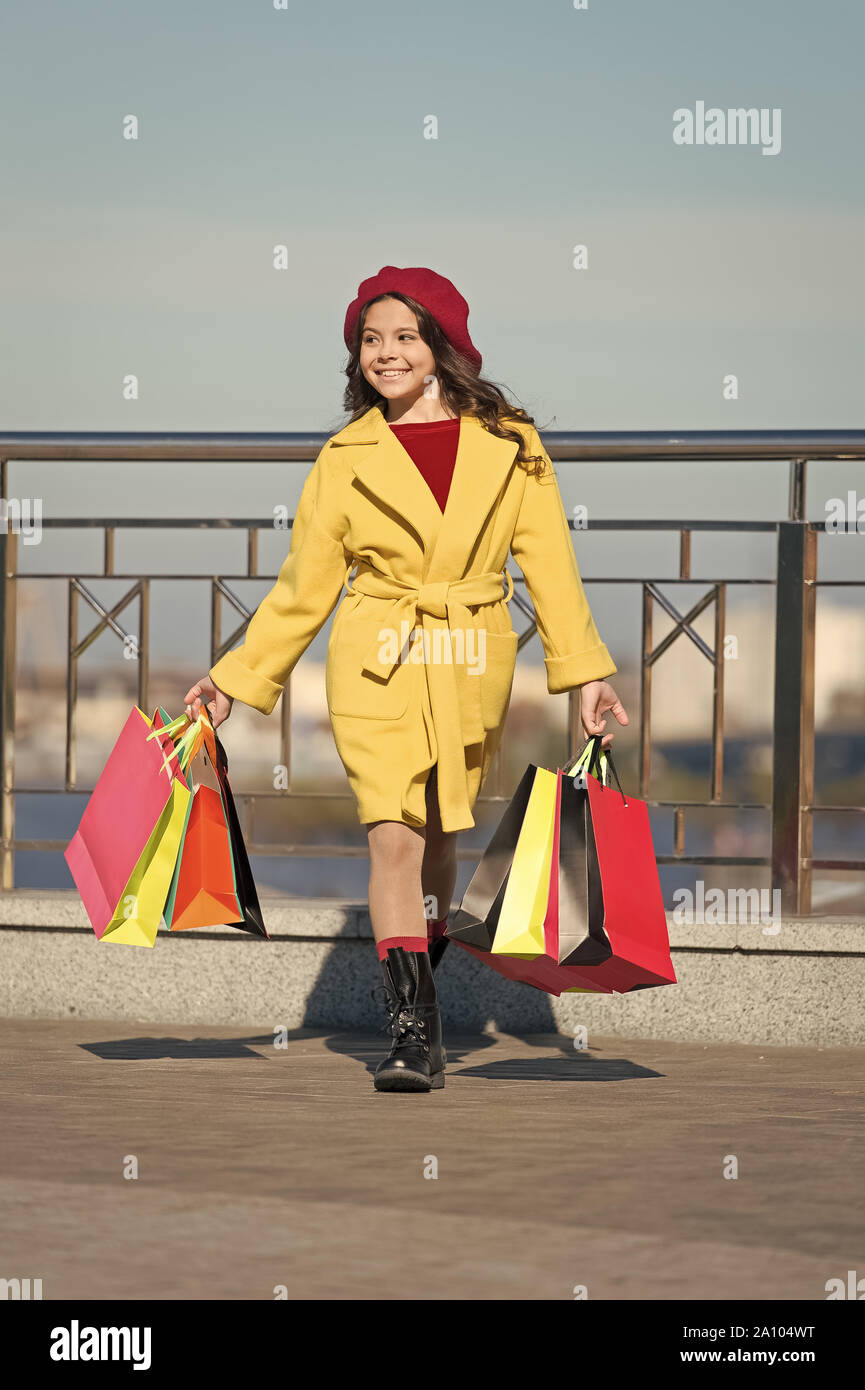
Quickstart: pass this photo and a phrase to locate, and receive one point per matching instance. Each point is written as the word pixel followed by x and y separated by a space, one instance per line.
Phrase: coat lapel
pixel 384 468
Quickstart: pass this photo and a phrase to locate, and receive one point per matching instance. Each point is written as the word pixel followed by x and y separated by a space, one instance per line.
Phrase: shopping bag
pixel 605 912
pixel 203 892
pixel 474 925
pixel 247 897
pixel 551 913
pixel 623 876
pixel 118 854
pixel 574 926
pixel 475 921
pixel 540 972
pixel 137 917
pixel 520 927
pixel 190 738
pixel 604 925
pixel 139 912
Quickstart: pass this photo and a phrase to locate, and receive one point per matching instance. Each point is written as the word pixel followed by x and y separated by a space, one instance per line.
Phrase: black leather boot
pixel 415 1061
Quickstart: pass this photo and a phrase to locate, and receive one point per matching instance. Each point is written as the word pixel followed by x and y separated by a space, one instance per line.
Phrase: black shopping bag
pixel 252 922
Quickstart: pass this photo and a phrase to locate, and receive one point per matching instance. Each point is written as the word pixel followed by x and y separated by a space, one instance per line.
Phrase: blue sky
pixel 305 127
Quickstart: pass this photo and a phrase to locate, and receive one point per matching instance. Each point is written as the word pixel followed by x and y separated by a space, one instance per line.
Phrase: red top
pixel 433 447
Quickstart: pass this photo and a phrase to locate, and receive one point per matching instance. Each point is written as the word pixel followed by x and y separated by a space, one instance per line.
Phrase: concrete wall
pixel 802 984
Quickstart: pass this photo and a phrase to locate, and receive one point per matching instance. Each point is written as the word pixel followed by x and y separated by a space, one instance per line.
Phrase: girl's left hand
pixel 596 697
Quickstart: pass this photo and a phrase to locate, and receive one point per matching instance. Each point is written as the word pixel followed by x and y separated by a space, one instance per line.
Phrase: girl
pixel 425 490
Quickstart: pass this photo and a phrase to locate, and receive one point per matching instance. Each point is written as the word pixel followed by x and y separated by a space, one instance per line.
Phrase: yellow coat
pixel 395 714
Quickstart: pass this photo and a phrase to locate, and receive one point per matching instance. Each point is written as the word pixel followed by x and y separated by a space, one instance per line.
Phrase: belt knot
pixel 432 599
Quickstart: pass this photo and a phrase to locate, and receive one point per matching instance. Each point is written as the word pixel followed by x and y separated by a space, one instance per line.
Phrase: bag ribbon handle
pixel 188 745
pixel 594 759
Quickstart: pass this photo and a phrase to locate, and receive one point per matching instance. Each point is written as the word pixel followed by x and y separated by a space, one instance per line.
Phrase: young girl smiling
pixel 434 479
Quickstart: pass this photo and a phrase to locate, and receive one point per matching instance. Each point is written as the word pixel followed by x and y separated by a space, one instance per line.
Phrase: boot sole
pixel 408 1081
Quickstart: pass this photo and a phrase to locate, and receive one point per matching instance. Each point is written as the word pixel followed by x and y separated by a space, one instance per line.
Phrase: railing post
pixel 645 695
pixel 8 683
pixel 793 749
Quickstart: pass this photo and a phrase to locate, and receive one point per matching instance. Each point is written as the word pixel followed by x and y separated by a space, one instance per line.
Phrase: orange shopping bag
pixel 213 883
pixel 203 892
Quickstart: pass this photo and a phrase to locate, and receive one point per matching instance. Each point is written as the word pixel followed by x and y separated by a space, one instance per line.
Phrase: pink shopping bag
pixel 120 817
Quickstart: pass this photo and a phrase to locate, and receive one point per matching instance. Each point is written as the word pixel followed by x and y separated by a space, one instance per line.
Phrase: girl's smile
pixel 396 361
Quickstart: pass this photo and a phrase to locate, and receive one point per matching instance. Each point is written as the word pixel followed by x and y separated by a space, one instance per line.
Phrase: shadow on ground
pixel 368 1049
pixel 479 1009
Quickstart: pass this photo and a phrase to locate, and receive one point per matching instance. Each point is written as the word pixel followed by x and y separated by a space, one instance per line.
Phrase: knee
pixel 394 845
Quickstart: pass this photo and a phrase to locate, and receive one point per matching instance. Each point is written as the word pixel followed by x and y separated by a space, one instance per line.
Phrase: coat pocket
pixel 351 690
pixel 498 676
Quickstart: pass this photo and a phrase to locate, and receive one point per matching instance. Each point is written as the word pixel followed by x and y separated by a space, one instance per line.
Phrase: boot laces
pixel 404 1021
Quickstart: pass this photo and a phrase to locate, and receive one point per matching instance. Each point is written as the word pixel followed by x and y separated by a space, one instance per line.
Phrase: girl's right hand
pixel 205 692
pixel 596 697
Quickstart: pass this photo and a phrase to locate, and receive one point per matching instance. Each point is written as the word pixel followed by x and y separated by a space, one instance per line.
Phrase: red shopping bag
pixel 634 921
pixel 605 911
pixel 541 973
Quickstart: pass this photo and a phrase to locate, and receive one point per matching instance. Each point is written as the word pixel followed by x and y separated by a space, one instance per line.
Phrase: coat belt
pixel 455 694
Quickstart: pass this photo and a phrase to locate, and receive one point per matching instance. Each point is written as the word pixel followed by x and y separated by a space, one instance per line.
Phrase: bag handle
pixel 574 764
pixel 188 745
pixel 605 759
pixel 590 756
pixel 596 759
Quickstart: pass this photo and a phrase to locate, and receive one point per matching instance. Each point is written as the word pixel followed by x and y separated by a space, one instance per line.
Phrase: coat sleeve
pixel 297 607
pixel 544 551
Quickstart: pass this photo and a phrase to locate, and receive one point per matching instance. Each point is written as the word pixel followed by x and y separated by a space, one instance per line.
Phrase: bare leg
pixel 439 869
pixel 405 866
pixel 395 897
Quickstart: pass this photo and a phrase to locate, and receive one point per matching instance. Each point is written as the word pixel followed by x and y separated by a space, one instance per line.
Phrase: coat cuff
pixel 567 672
pixel 242 684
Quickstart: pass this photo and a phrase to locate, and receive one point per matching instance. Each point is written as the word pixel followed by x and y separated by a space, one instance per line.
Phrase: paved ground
pixel 260 1167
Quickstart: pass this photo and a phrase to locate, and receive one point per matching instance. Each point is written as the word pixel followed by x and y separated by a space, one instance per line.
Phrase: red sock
pixel 435 928
pixel 408 943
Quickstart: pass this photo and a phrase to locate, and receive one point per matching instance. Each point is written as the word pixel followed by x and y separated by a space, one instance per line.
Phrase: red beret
pixel 434 292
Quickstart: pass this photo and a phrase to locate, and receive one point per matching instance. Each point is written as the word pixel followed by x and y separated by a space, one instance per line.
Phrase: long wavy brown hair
pixel 461 389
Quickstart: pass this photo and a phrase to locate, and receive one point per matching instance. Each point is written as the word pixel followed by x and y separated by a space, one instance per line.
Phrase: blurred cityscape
pixel 535 732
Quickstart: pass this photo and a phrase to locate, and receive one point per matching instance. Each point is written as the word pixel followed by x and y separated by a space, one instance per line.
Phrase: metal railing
pixel 792 807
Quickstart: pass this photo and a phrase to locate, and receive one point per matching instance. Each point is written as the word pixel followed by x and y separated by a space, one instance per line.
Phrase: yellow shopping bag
pixel 139 909
pixel 520 929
